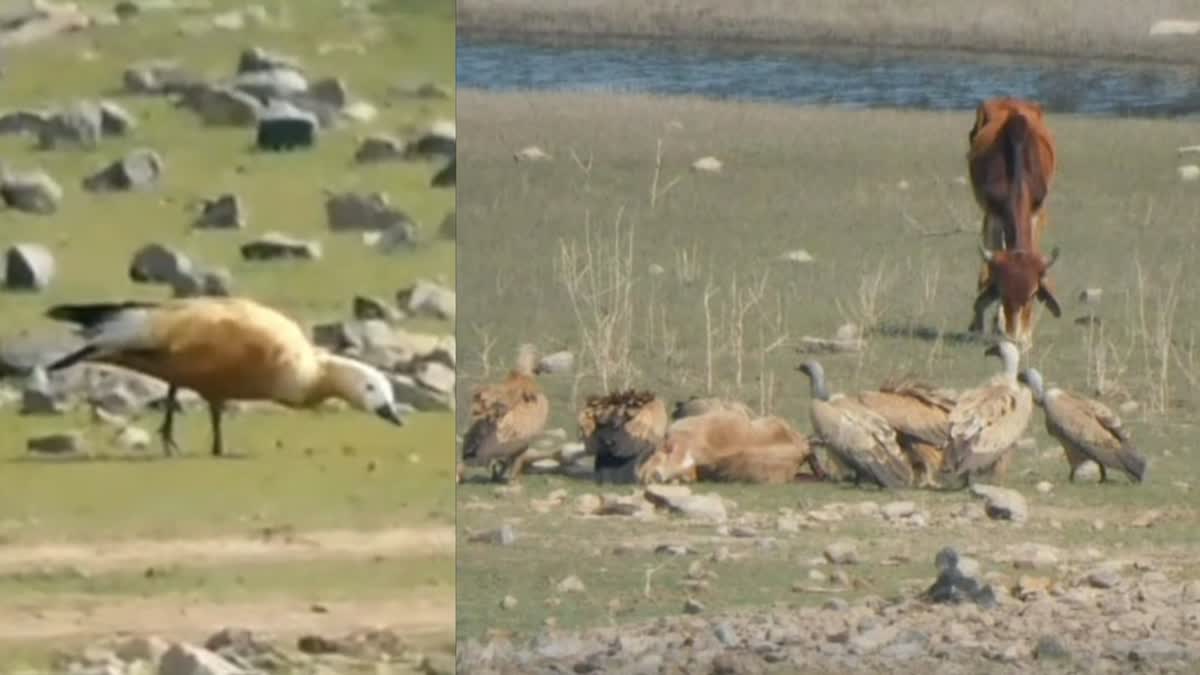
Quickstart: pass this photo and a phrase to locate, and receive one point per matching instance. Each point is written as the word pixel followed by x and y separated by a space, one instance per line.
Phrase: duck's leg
pixel 215 408
pixel 167 431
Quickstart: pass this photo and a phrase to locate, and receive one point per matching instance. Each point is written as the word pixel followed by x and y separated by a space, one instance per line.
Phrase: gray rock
pixel 223 212
pixel 378 148
pixel 33 192
pixel 449 227
pixel 501 536
pixel 217 282
pixel 115 120
pixel 398 237
pixel 353 211
pixel 278 246
pixel 28 267
pixel 65 443
pixel 257 59
pixel 285 127
pixel 331 91
pixel 1002 503
pixel 1156 650
pixel 79 125
pixel 842 552
pixel 142 648
pixel 368 307
pixel 445 177
pixel 38 396
pixel 1104 577
pixel 133 438
pixel 156 264
pixel 1048 648
pixel 693 606
pixel 218 105
pixel 27 122
pixel 436 376
pixel 185 659
pixel 138 170
pixel 1091 296
pixel 272 83
pixel 440 140
pixel 556 363
pixel 426 298
pixel 159 77
pixel 337 336
pixel 873 639
pixel 425 90
pixel 409 392
pixel 709 508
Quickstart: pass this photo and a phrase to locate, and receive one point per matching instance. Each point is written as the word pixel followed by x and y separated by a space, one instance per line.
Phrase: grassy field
pixel 616 250
pixel 1068 28
pixel 302 472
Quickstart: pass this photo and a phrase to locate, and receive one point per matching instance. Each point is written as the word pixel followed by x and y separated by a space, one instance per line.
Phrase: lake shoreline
pixel 767 29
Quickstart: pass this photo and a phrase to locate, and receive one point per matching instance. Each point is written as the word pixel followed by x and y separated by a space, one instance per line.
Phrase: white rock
pixel 1175 27
pixel 185 659
pixel 797 256
pixel 707 164
pixel 571 584
pixel 1002 503
pixel 532 154
pixel 843 552
pixel 1189 172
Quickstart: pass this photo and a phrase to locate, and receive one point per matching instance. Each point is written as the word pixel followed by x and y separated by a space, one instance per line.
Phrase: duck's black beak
pixel 389 413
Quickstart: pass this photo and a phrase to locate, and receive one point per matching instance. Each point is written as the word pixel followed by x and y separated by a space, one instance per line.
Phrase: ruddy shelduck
pixel 224 349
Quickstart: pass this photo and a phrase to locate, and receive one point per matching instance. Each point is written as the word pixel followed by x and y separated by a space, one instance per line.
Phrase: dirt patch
pixel 423 618
pixel 1107 29
pixel 117 555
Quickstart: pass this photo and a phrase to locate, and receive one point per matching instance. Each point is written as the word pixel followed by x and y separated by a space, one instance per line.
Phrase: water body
pixel 852 78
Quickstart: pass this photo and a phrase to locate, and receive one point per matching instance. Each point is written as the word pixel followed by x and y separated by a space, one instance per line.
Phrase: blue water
pixel 853 78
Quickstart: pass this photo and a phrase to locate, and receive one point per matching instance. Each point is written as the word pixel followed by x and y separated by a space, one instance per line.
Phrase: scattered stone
pixel 272 83
pixel 692 606
pixel 65 443
pixel 352 211
pixel 1048 648
pixel 27 122
pixel 209 282
pixel 401 236
pixel 133 438
pixel 797 256
pixel 379 148
pixel 1155 650
pixel 425 90
pixel 1167 27
pixel 316 644
pixel 504 535
pixel 1002 503
pixel 32 192
pixel 115 120
pixel 509 602
pixel 1030 587
pixel 873 639
pixel 1035 556
pixel 223 212
pixel 159 77
pixel 257 59
pixel 556 363
pixel 279 246
pixel 699 507
pixel 359 111
pixel 898 510
pixel 331 90
pixel 142 648
pixel 436 376
pixel 283 126
pixel 155 263
pixel 1044 487
pixel 1189 172
pixel 439 140
pixel 425 298
pixel 28 267
pixel 707 165
pixel 140 169
pixel 1089 472
pixel 1090 296
pixel 78 125
pixel 1147 519
pixel 1128 407
pixel 571 584
pixel 1104 578
pixel 368 307
pixel 184 659
pixel 531 154
pixel 842 552
pixel 218 105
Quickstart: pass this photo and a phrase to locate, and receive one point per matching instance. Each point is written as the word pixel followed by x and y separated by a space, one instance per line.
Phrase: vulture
pixel 859 439
pixel 1087 429
pixel 506 417
pixel 987 422
pixel 622 429
pixel 920 414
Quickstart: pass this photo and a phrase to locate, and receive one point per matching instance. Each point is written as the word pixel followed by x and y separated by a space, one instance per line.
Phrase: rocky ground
pixel 1012 605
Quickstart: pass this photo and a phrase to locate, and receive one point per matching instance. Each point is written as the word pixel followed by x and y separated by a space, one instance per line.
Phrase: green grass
pixel 874 197
pixel 299 470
